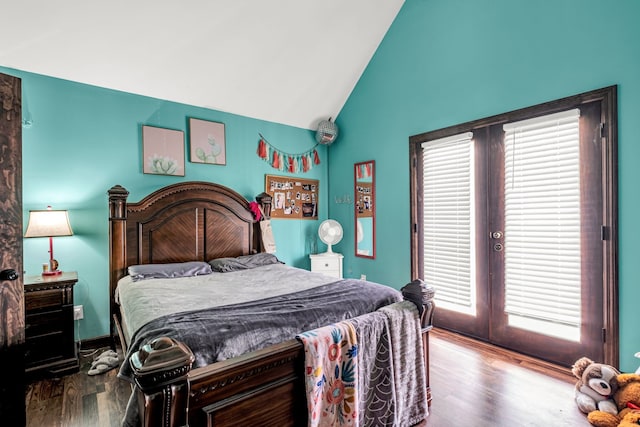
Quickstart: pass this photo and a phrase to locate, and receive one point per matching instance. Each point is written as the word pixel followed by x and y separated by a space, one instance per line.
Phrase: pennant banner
pixel 364 170
pixel 286 162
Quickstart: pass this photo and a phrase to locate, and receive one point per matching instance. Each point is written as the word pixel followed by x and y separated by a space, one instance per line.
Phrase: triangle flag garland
pixel 300 162
pixel 363 171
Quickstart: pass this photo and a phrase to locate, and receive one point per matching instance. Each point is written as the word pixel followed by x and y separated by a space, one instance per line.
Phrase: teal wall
pixel 442 62
pixel 84 139
pixel 445 62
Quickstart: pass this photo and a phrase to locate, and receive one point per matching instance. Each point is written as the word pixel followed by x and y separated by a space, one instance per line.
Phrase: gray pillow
pixel 244 262
pixel 159 271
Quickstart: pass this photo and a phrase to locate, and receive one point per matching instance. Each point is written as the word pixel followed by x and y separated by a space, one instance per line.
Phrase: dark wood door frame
pixel 608 101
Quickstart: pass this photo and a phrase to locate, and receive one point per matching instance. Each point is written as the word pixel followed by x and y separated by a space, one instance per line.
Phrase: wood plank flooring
pixel 473 384
pixel 78 400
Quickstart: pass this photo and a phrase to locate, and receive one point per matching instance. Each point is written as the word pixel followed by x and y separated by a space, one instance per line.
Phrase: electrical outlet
pixel 78 312
pixel 363 277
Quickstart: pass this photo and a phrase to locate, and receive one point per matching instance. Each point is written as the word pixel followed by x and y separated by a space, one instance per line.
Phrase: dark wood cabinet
pixel 50 348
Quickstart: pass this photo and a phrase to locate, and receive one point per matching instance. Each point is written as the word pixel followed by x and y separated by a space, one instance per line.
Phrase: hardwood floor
pixel 78 400
pixel 473 384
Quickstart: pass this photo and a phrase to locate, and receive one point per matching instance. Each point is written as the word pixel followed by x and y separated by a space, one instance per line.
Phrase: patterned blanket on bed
pixel 331 362
pixel 367 371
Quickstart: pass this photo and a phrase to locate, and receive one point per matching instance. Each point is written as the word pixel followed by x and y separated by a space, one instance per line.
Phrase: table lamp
pixel 49 223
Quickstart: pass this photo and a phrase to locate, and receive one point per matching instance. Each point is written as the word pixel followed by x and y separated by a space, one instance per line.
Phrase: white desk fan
pixel 330 232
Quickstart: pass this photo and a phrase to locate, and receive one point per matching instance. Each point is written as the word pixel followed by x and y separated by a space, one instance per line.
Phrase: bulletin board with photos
pixel 364 200
pixel 293 197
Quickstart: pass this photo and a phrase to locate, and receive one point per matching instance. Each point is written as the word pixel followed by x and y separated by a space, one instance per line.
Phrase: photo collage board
pixel 293 197
pixel 364 200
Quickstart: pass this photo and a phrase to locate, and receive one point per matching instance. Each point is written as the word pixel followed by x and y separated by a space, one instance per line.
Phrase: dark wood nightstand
pixel 50 348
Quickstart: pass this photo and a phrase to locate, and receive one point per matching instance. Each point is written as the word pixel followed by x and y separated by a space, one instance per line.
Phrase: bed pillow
pixel 178 269
pixel 244 262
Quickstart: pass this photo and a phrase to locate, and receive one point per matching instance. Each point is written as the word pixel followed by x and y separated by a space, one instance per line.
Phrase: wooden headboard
pixel 189 221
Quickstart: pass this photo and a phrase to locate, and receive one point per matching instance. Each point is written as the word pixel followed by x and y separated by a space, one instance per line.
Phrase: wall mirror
pixel 365 208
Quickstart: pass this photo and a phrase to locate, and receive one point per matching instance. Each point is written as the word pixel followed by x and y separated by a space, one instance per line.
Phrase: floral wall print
pixel 162 151
pixel 207 142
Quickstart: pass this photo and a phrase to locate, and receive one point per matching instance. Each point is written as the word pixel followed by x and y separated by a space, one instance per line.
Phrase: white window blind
pixel 449 255
pixel 542 224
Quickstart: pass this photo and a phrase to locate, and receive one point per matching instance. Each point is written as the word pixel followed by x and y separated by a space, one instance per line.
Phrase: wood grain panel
pixel 11 300
pixel 12 408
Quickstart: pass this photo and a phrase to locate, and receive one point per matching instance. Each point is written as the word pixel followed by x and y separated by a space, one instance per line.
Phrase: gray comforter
pixel 225 332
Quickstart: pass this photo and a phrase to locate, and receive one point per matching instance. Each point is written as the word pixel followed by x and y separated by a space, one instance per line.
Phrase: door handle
pixel 9 274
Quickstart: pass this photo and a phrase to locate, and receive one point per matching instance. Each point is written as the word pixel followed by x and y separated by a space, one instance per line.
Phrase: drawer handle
pixel 326 265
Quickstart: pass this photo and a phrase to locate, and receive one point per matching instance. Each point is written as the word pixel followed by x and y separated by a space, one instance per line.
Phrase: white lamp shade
pixel 48 223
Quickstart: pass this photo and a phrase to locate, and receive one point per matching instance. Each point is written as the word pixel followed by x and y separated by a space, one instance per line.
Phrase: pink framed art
pixel 162 151
pixel 207 142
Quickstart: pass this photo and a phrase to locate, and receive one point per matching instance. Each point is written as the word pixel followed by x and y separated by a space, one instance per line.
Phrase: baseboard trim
pixel 95 342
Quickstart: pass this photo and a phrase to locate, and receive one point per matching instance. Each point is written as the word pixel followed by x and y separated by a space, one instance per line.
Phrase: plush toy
pixel 630 419
pixel 594 389
pixel 627 398
pixel 626 418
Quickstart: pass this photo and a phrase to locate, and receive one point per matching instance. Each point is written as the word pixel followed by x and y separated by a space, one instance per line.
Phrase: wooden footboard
pixel 263 388
pixel 259 388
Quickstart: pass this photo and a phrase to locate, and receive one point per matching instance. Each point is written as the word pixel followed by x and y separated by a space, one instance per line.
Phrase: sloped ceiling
pixel 293 62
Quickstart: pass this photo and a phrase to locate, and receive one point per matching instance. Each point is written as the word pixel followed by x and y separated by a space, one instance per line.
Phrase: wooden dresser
pixel 50 348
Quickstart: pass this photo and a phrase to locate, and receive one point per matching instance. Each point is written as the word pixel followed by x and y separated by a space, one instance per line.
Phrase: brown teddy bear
pixel 627 398
pixel 630 419
pixel 594 389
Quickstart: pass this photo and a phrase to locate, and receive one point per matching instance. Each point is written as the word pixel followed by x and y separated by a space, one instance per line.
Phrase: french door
pixel 514 225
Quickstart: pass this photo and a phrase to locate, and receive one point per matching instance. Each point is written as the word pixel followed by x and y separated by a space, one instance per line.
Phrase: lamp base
pixel 51 269
pixel 51 273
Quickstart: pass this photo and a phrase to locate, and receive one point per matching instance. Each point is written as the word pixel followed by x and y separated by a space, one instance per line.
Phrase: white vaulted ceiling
pixel 289 61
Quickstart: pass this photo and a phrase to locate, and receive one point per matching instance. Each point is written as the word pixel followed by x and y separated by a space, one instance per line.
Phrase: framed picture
pixel 162 151
pixel 207 142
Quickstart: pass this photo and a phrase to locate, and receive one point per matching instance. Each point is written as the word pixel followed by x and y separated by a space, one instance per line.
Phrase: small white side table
pixel 329 263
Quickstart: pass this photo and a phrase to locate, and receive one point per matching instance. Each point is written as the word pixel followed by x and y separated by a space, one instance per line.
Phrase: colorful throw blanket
pixel 389 385
pixel 331 355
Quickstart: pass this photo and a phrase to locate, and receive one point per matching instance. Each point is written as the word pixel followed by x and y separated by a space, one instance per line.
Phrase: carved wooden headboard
pixel 189 221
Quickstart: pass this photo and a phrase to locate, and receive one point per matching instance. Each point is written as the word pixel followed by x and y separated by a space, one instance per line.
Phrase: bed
pixel 194 222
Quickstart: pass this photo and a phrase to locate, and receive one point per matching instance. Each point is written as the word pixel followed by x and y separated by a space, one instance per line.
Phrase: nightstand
pixel 50 348
pixel 329 263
